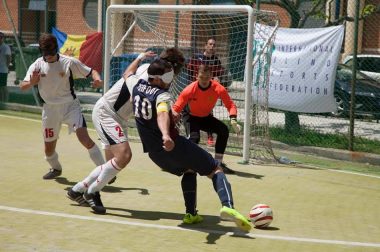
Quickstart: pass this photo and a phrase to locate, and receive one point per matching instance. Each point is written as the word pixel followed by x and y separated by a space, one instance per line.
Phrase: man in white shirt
pixel 53 75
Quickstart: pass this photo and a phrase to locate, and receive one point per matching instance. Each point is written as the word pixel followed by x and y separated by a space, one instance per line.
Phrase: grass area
pixel 308 137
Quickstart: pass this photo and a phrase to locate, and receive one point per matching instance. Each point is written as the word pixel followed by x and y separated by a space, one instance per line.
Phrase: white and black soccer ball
pixel 261 215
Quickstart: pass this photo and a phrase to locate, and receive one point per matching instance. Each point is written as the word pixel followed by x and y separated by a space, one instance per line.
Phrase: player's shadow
pixel 107 188
pixel 210 225
pixel 268 228
pixel 246 175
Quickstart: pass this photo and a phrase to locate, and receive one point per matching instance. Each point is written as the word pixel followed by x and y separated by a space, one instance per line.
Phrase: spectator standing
pixel 5 60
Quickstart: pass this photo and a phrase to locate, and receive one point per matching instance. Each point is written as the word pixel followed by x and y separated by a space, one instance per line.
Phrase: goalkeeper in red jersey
pixel 201 97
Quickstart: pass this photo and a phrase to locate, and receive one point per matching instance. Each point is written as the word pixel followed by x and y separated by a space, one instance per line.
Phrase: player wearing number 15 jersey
pixel 53 75
pixel 166 148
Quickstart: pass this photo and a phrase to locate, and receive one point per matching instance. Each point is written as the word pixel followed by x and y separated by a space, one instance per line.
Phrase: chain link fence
pixel 30 18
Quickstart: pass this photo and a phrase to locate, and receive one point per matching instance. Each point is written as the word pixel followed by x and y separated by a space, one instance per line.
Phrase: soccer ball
pixel 261 215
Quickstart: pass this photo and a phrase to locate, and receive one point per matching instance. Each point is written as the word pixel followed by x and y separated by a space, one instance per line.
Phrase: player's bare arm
pixel 97 81
pixel 163 121
pixel 34 80
pixel 132 68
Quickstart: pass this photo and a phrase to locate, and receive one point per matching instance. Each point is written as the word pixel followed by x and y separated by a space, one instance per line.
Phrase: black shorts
pixel 185 155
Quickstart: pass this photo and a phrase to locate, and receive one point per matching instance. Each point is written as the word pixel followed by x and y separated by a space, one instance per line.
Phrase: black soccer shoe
pixel 97 199
pixel 112 180
pixel 53 173
pixel 226 170
pixel 93 199
pixel 77 197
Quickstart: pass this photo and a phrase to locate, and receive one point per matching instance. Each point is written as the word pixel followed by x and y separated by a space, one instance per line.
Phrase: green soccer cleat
pixel 240 221
pixel 192 219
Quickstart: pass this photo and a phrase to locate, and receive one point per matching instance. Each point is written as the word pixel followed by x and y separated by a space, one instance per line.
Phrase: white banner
pixel 303 69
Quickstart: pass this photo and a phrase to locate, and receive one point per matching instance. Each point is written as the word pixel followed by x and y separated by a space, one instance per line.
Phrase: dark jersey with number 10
pixel 145 99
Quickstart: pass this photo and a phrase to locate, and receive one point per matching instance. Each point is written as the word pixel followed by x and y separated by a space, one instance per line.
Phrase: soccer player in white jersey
pixel 53 75
pixel 110 116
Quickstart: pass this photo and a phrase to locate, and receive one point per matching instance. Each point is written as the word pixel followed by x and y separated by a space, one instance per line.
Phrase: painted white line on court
pixel 139 224
pixel 355 173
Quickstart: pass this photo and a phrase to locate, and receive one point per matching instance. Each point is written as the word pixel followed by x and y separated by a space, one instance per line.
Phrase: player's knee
pixel 123 160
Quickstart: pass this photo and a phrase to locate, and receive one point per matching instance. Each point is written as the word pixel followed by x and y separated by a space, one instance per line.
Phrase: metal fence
pixel 360 54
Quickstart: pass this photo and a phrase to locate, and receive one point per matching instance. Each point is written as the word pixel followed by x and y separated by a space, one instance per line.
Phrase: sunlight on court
pixel 314 209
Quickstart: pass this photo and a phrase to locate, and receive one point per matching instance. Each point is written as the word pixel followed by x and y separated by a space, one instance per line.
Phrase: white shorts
pixel 111 128
pixel 53 115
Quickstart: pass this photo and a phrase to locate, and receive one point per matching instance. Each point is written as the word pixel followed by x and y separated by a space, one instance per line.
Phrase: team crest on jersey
pixel 62 74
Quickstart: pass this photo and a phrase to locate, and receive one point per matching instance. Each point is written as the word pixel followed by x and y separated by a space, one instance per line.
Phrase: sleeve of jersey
pixel 164 102
pixel 131 83
pixel 31 68
pixel 141 69
pixel 227 101
pixel 182 99
pixel 79 69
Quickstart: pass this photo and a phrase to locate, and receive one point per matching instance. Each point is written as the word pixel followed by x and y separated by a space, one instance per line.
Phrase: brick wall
pixel 371 31
pixel 5 26
pixel 70 17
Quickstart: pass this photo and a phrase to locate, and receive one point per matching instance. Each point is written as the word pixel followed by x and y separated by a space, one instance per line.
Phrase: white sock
pixel 96 155
pixel 53 161
pixel 84 184
pixel 108 171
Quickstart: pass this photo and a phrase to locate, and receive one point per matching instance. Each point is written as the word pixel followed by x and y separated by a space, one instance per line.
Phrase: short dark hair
pixel 2 35
pixel 204 69
pixel 158 67
pixel 175 57
pixel 48 42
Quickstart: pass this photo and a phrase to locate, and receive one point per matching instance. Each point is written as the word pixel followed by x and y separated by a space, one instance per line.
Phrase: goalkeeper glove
pixel 235 126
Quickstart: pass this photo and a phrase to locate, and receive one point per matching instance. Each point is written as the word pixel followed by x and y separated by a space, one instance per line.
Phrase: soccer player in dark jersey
pixel 165 147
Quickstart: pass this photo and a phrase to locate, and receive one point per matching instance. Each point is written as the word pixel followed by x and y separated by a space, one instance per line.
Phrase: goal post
pixel 132 29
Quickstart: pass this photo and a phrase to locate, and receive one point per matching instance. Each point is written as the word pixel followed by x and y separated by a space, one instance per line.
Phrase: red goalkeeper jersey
pixel 202 101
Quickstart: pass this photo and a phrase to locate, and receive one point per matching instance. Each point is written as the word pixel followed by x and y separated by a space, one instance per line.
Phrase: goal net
pixel 242 49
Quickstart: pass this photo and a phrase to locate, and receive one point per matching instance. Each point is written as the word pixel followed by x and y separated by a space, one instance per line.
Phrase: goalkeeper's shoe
pixel 77 197
pixel 192 219
pixel 93 199
pixel 240 221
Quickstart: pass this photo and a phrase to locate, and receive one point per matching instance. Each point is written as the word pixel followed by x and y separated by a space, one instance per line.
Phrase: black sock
pixel 223 189
pixel 189 189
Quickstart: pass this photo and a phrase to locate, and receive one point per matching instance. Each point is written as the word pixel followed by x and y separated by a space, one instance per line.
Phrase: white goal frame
pixel 112 9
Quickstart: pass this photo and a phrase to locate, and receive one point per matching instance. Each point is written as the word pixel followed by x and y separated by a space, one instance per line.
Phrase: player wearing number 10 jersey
pixel 166 148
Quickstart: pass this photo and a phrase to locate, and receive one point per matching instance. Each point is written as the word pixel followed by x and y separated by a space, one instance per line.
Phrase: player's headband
pixel 166 77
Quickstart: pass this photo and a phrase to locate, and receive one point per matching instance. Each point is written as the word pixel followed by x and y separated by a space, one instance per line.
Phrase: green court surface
pixel 315 209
